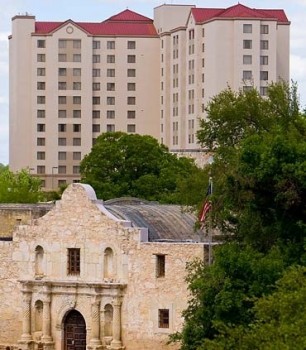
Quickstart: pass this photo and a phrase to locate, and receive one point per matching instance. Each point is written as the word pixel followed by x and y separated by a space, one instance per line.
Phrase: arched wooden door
pixel 74 331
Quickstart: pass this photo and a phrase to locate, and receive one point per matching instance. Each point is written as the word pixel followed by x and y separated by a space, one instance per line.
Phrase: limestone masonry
pixel 80 277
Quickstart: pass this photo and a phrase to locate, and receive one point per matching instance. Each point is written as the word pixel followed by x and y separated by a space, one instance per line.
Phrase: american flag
pixel 206 207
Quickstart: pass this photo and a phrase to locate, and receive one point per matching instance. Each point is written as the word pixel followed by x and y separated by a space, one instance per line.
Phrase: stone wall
pixel 77 222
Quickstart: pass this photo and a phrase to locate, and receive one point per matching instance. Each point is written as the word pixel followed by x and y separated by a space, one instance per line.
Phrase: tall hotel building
pixel 71 81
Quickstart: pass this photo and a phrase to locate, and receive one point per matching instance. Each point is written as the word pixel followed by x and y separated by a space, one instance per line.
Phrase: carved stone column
pixel 46 327
pixel 26 315
pixel 95 323
pixel 116 342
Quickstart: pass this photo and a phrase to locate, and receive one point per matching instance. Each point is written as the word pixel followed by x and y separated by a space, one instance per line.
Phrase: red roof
pixel 237 11
pixel 128 15
pixel 125 23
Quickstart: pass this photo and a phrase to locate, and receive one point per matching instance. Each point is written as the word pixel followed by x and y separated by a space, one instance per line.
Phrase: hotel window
pixel 41 141
pixel 62 57
pixel 96 72
pixel 264 44
pixel 264 29
pixel 62 44
pixel 110 101
pixel 131 86
pixel 110 127
pixel 41 127
pixel 41 99
pixel 96 128
pixel 110 45
pixel 41 43
pixel 76 169
pixel 62 113
pixel 110 114
pixel 41 85
pixel 110 86
pixel 247 59
pixel 203 32
pixel 62 169
pixel 96 100
pixel 110 59
pixel 131 72
pixel 263 91
pixel 264 75
pixel 76 141
pixel 163 318
pixel 160 265
pixel 41 169
pixel 96 114
pixel 110 72
pixel 76 127
pixel 131 114
pixel 41 155
pixel 96 59
pixel 264 60
pixel 62 141
pixel 77 44
pixel 41 72
pixel 131 100
pixel 77 155
pixel 76 100
pixel 96 44
pixel 62 72
pixel 203 47
pixel 131 59
pixel 77 85
pixel 247 44
pixel 61 183
pixel 76 113
pixel 62 85
pixel 76 72
pixel 96 86
pixel 247 75
pixel 62 128
pixel 131 45
pixel 41 57
pixel 41 113
pixel 62 156
pixel 247 28
pixel 131 128
pixel 76 57
pixel 62 100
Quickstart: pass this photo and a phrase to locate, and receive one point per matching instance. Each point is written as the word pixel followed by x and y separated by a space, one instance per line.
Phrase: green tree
pixel 260 181
pixel 19 187
pixel 224 293
pixel 279 323
pixel 122 164
pixel 259 204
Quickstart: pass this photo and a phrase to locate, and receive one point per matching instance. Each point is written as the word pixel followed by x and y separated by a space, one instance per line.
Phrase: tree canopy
pixel 19 187
pixel 259 204
pixel 121 164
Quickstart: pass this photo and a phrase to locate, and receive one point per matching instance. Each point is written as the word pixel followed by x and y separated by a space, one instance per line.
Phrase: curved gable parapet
pixel 76 189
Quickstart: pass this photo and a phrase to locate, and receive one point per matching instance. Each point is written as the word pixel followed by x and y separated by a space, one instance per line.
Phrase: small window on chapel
pixel 163 318
pixel 74 259
pixel 160 265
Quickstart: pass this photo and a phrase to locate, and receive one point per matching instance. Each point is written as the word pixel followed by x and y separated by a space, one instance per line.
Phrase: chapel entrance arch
pixel 74 331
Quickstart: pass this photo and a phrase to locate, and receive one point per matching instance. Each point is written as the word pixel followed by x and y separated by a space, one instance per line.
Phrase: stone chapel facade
pixel 84 277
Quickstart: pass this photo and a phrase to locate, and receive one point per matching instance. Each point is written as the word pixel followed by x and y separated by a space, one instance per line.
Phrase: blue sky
pixel 98 10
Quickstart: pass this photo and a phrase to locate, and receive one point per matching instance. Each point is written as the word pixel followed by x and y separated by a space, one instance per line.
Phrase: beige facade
pixel 203 51
pixel 71 81
pixel 79 261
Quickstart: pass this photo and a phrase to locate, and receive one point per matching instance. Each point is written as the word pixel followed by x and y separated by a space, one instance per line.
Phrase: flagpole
pixel 210 226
